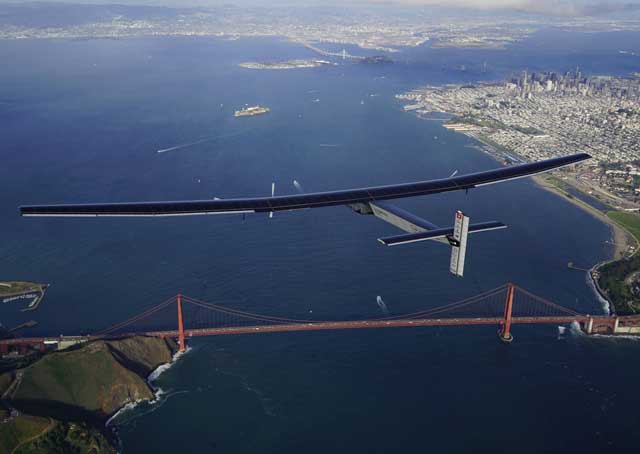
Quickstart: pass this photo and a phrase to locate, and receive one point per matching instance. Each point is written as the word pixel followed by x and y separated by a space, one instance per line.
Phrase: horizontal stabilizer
pixel 438 233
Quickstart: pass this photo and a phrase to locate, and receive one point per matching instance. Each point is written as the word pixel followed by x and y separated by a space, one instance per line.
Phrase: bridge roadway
pixel 330 54
pixel 326 325
pixel 364 324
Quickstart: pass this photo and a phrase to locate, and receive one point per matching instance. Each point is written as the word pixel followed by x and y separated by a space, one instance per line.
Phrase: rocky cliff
pixel 86 385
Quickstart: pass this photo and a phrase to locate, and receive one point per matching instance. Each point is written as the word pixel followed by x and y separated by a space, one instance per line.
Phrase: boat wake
pixel 203 140
pixel 381 304
pixel 298 186
pixel 185 145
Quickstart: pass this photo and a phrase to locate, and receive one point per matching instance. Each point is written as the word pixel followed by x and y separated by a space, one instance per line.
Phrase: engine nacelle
pixel 361 208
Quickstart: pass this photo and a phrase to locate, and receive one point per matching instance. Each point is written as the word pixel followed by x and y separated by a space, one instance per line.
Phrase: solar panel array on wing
pixel 267 204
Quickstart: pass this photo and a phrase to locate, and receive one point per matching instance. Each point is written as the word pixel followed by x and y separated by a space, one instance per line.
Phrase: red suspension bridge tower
pixel 505 331
pixel 180 325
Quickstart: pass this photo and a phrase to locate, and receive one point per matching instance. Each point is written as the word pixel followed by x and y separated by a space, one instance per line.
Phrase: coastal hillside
pixel 65 398
pixel 91 382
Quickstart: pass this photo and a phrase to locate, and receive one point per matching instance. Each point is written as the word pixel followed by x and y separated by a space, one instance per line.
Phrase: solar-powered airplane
pixel 366 201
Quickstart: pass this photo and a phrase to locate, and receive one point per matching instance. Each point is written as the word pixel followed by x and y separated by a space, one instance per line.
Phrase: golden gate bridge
pixel 182 317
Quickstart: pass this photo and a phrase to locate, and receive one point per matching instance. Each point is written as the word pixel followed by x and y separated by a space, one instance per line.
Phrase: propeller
pixel 273 193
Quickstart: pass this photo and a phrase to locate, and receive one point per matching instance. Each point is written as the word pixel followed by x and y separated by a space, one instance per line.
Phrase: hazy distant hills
pixel 42 15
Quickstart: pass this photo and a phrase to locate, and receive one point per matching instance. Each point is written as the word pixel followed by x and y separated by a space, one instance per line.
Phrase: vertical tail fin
pixel 458 243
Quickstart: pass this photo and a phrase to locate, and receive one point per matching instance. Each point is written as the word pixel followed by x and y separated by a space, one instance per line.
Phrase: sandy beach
pixel 622 240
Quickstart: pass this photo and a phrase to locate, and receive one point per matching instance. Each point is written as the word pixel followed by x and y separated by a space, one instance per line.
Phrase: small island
pixel 291 64
pixel 62 400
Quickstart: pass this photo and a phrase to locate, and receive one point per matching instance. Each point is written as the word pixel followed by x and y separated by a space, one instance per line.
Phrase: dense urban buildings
pixel 541 115
pixel 383 28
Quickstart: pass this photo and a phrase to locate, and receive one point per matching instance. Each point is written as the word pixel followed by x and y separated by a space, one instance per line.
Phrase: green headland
pixel 620 280
pixel 61 402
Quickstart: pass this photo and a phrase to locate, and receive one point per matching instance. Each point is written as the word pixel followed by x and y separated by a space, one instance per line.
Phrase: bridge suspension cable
pixel 542 301
pixel 248 315
pixel 451 306
pixel 136 318
pixel 498 306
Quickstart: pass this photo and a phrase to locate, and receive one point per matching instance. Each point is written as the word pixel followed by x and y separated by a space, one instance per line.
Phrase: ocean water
pixel 82 122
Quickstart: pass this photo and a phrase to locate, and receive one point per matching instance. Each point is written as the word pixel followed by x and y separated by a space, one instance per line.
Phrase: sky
pixel 560 7
pixel 548 7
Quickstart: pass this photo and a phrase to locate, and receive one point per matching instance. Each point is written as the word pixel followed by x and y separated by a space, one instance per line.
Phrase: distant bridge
pixel 344 54
pixel 503 307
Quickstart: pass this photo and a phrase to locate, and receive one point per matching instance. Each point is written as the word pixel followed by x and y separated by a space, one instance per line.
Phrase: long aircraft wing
pixel 312 200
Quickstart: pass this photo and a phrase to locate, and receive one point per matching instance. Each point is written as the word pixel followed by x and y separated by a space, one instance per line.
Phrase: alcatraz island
pixel 537 116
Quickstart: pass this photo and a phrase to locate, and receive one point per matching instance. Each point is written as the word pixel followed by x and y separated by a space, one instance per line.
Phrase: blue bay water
pixel 82 121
